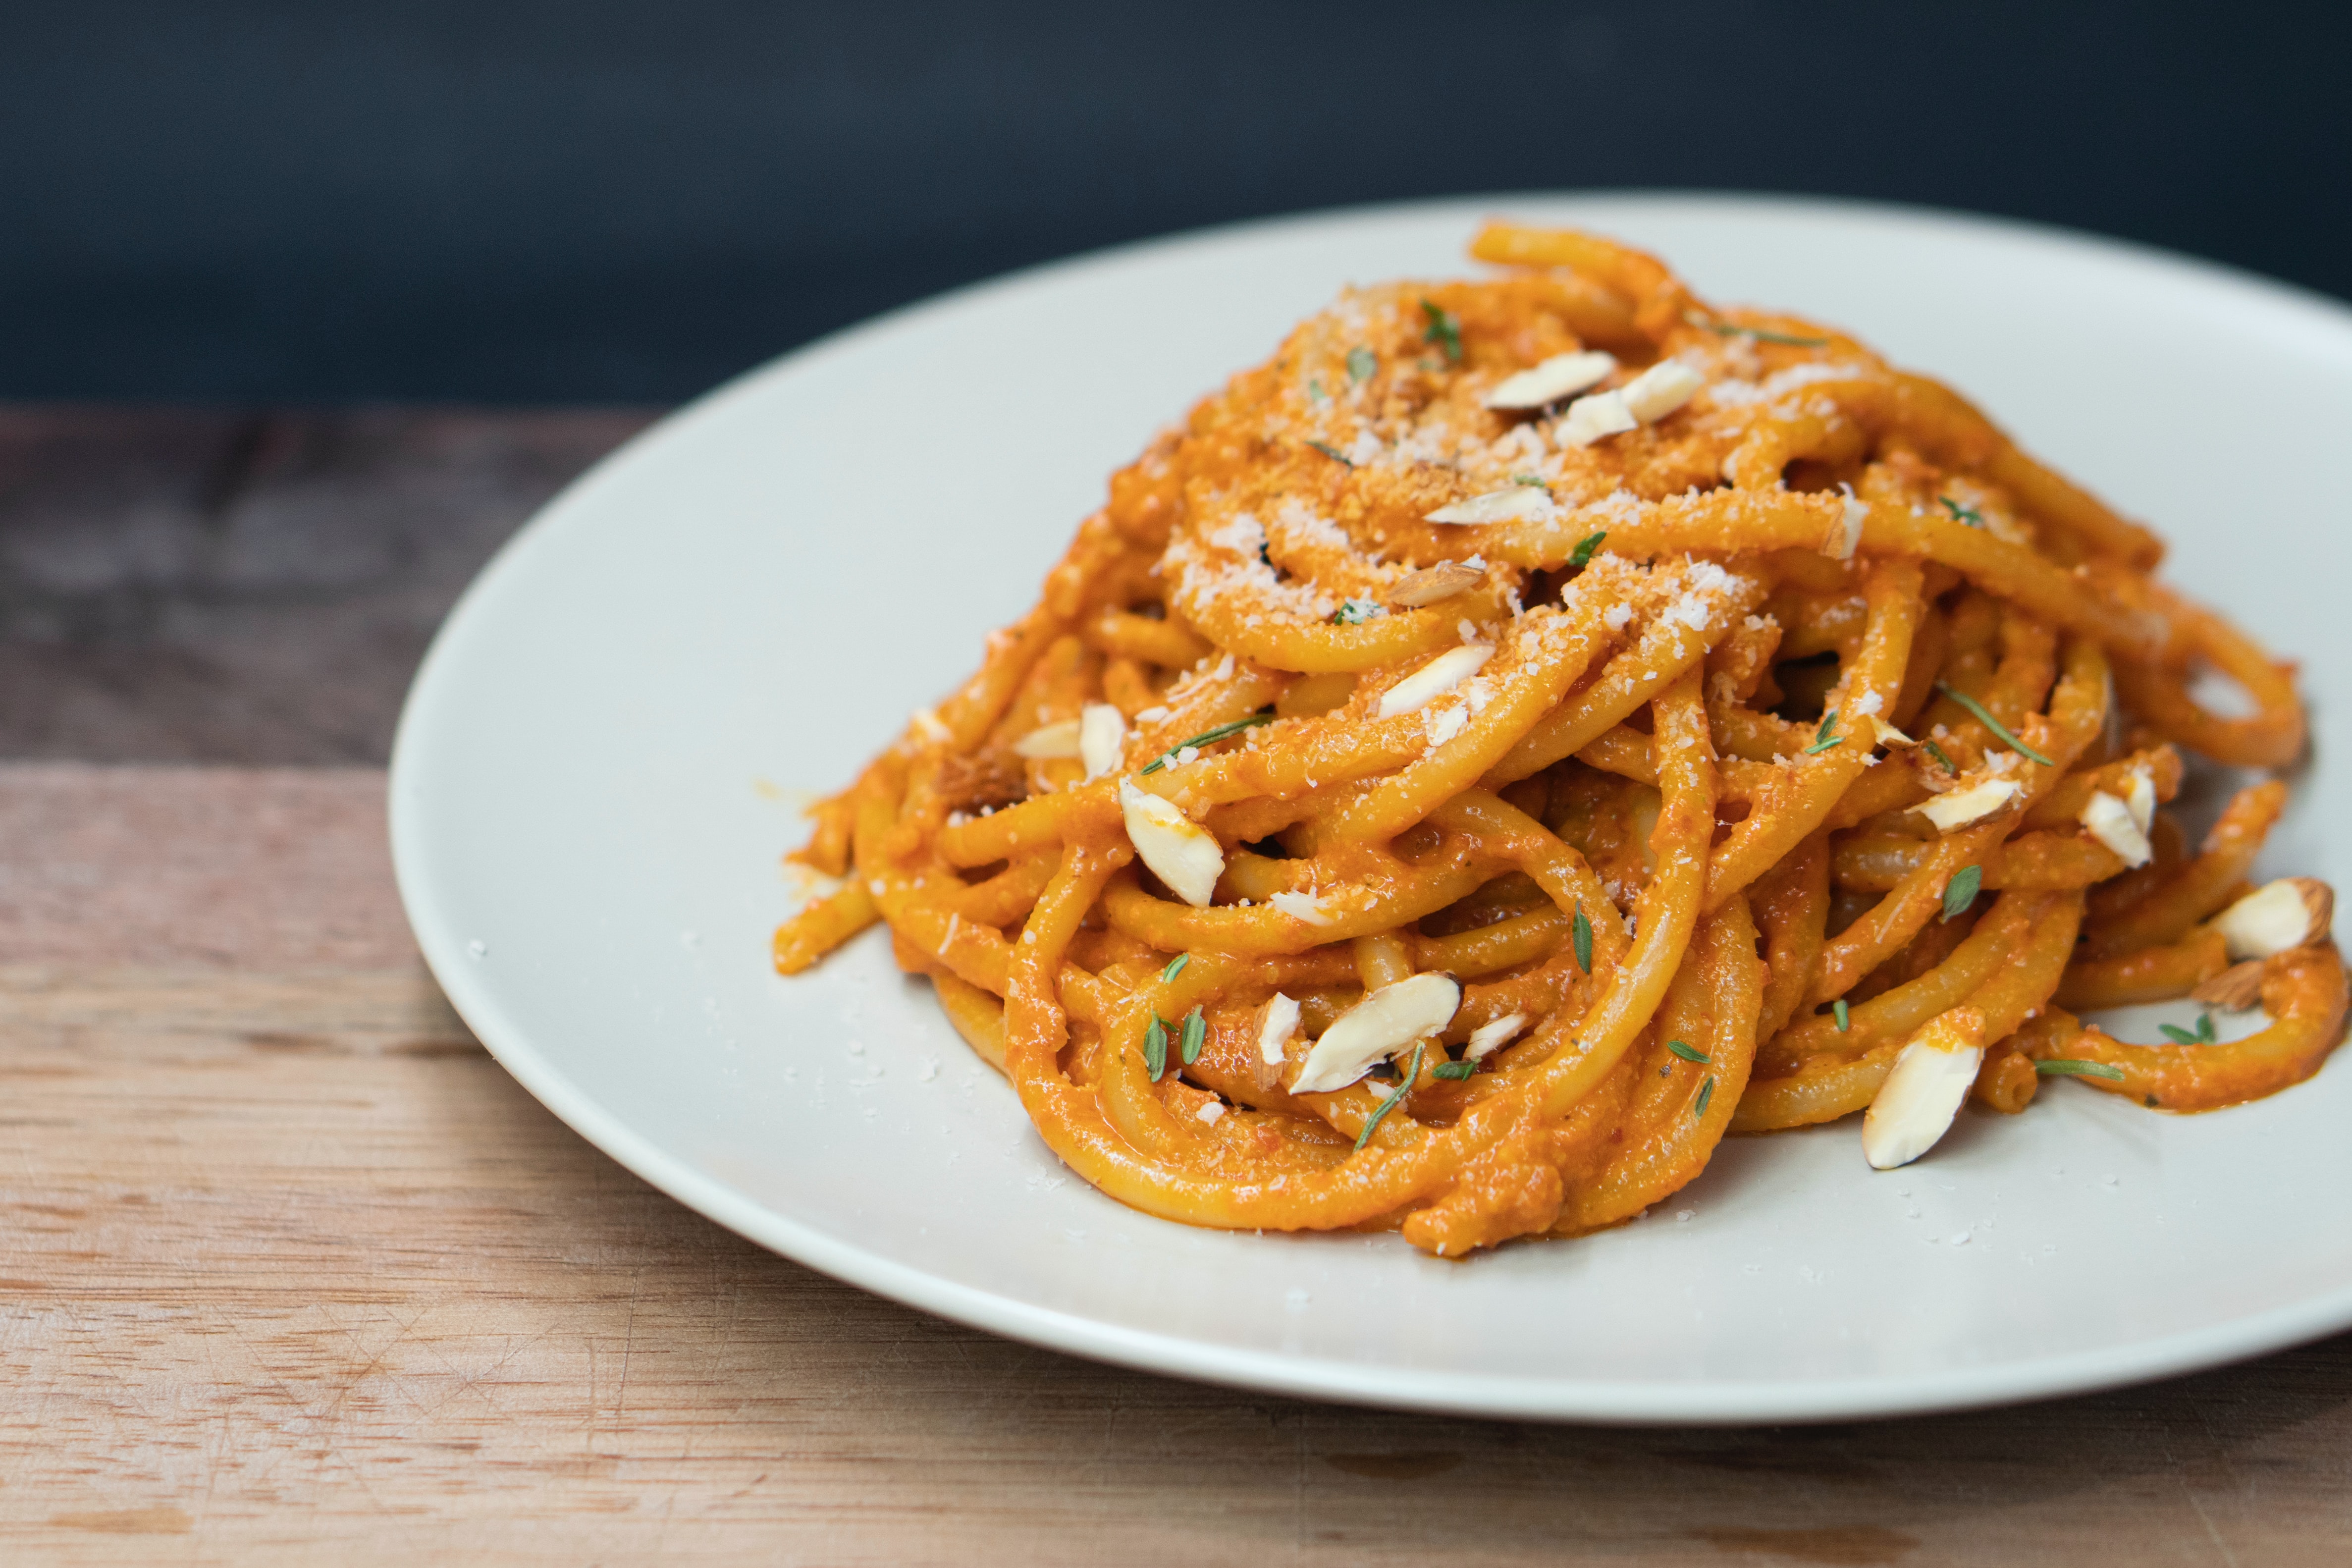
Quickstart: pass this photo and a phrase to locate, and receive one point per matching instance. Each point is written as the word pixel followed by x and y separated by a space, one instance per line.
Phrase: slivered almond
pixel 1383 1023
pixel 1932 1076
pixel 1277 1025
pixel 1495 506
pixel 1962 806
pixel 1845 534
pixel 2140 799
pixel 1433 583
pixel 2278 917
pixel 1561 375
pixel 1102 739
pixel 1589 419
pixel 1185 857
pixel 2109 820
pixel 1308 907
pixel 1885 734
pixel 2234 990
pixel 1435 679
pixel 1659 390
pixel 1050 741
pixel 1487 1037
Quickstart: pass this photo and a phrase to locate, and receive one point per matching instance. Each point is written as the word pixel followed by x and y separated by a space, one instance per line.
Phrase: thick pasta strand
pixel 1530 729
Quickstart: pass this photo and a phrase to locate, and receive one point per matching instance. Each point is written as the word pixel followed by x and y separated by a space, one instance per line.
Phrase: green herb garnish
pixel 1453 1069
pixel 1582 929
pixel 2201 1036
pixel 1208 738
pixel 1361 363
pixel 1688 1053
pixel 1826 736
pixel 1533 481
pixel 2061 1067
pixel 1838 1011
pixel 1725 330
pixel 1315 394
pixel 1333 453
pixel 1936 751
pixel 1444 330
pixel 1155 1048
pixel 1990 722
pixel 1354 613
pixel 1967 514
pixel 1196 1031
pixel 1175 967
pixel 1579 557
pixel 1962 890
pixel 1404 1086
pixel 1706 1093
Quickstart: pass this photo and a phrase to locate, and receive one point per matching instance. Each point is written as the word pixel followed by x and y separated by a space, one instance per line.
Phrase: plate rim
pixel 1555 1399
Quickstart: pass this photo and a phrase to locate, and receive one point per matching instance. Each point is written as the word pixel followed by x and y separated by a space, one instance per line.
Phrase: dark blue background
pixel 524 199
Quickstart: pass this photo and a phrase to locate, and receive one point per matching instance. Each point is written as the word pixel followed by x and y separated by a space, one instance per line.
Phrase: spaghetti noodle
pixel 1532 728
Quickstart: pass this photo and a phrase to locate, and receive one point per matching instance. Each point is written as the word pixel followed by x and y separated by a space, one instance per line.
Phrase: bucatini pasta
pixel 1532 727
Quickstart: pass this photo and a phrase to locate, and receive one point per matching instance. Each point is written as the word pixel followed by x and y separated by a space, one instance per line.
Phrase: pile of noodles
pixel 1669 837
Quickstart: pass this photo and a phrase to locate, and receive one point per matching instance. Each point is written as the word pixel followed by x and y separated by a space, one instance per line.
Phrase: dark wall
pixel 618 199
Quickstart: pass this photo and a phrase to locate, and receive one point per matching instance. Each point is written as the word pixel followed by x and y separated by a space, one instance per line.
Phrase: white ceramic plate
pixel 591 790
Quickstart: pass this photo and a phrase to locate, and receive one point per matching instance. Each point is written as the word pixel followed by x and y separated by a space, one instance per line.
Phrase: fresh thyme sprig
pixel 1208 738
pixel 2201 1036
pixel 1985 717
pixel 1404 1087
pixel 2060 1066
pixel 1761 334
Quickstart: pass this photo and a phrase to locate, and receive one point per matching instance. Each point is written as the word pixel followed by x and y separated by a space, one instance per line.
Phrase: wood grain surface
pixel 290 1271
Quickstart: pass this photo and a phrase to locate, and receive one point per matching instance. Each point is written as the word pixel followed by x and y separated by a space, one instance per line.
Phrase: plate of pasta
pixel 1633 809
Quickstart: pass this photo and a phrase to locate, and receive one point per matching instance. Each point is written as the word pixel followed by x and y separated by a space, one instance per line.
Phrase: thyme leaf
pixel 1582 554
pixel 1361 363
pixel 1826 736
pixel 1333 453
pixel 1453 1069
pixel 1962 890
pixel 1196 1031
pixel 1582 929
pixel 1985 717
pixel 2059 1066
pixel 1403 1087
pixel 1688 1053
pixel 1175 967
pixel 1155 1048
pixel 1444 329
pixel 1838 1011
pixel 1207 738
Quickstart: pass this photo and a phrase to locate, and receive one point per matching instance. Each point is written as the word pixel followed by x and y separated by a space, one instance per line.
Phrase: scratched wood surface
pixel 290 1270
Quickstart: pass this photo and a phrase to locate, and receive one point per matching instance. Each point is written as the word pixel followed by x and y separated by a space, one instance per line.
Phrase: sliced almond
pixel 1050 741
pixel 1562 375
pixel 2109 821
pixel 1435 679
pixel 1387 1021
pixel 1495 506
pixel 1444 723
pixel 1659 390
pixel 1962 806
pixel 2139 798
pixel 1932 1076
pixel 2234 990
pixel 1305 906
pixel 1278 1023
pixel 1885 734
pixel 1433 583
pixel 1589 419
pixel 1845 533
pixel 1102 739
pixel 1488 1037
pixel 1185 857
pixel 2278 917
